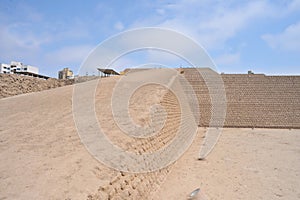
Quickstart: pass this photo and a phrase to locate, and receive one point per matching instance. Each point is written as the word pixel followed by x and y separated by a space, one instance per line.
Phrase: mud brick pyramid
pixel 42 150
pixel 253 100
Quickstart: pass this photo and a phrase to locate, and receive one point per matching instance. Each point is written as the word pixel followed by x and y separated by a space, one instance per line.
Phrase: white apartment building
pixel 4 68
pixel 17 67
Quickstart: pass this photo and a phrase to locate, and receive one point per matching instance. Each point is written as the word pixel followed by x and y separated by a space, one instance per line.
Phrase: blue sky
pixel 262 36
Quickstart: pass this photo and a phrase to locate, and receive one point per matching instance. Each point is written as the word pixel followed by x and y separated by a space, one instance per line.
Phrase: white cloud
pixel 119 26
pixel 160 11
pixel 228 23
pixel 19 45
pixel 288 40
pixel 212 23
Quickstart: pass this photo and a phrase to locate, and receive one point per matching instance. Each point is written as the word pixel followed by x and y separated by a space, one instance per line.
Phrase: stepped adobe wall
pixel 253 100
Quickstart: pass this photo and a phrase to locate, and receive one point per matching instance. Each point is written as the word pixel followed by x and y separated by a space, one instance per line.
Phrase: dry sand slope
pixel 41 156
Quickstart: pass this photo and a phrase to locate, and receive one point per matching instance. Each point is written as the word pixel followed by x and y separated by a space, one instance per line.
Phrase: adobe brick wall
pixel 253 100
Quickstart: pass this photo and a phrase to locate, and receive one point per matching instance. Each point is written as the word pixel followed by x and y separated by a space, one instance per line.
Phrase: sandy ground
pixel 41 157
pixel 245 164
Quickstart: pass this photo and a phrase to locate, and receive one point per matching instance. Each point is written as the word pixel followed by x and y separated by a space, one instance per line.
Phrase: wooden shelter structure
pixel 107 72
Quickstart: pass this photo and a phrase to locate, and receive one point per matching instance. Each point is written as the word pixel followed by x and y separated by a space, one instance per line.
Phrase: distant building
pixel 18 67
pixel 4 68
pixel 21 69
pixel 66 73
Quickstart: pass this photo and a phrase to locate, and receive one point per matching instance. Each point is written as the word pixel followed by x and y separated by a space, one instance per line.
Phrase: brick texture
pixel 253 100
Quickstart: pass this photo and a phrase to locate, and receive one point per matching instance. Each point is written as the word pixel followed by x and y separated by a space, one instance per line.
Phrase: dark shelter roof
pixel 33 74
pixel 108 71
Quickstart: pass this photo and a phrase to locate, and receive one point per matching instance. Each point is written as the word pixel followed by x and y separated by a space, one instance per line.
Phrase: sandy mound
pixel 13 84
